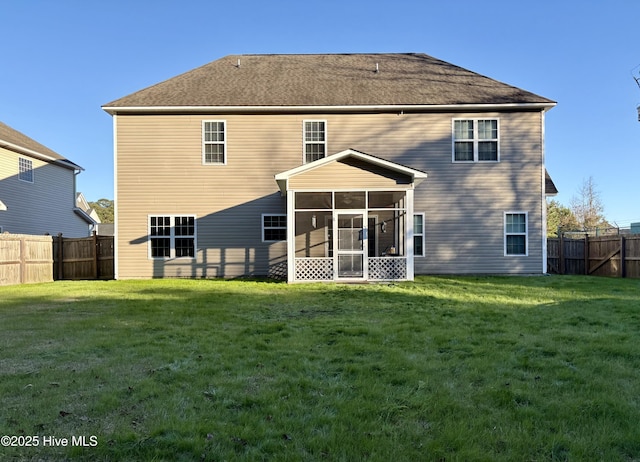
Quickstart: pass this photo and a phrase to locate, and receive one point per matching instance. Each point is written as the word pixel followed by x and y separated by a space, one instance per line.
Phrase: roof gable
pixel 353 159
pixel 334 80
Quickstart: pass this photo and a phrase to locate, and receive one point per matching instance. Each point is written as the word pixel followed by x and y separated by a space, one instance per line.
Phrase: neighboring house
pixel 101 229
pixel 37 189
pixel 329 167
pixel 83 204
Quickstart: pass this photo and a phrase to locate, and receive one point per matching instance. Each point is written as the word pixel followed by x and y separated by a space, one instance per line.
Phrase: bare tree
pixel 587 206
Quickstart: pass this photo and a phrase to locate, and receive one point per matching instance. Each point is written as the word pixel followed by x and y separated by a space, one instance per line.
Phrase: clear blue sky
pixel 62 60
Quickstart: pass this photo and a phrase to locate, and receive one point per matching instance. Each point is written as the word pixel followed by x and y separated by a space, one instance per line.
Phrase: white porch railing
pixel 387 268
pixel 314 269
pixel 380 269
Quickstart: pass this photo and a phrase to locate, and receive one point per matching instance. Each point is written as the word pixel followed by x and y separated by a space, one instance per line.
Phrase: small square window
pixel 274 228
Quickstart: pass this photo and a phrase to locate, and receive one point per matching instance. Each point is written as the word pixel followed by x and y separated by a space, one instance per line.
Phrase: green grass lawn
pixel 442 369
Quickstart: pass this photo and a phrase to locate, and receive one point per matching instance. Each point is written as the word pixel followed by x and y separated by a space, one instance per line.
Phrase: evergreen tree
pixel 561 218
pixel 105 210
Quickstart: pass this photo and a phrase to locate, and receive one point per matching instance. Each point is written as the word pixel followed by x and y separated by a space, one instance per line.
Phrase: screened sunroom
pixel 350 218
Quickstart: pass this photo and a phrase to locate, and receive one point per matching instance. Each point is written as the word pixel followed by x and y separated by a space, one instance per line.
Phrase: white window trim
pixel 273 227
pixel 305 142
pixel 172 237
pixel 31 171
pixel 223 143
pixel 475 140
pixel 525 234
pixel 422 234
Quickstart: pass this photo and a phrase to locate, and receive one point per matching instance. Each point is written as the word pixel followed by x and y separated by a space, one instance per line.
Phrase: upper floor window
pixel 25 168
pixel 214 142
pixel 515 233
pixel 475 140
pixel 315 140
pixel 172 236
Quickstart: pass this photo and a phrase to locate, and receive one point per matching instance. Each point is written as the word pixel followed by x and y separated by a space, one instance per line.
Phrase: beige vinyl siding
pixel 349 174
pixel 160 171
pixel 44 206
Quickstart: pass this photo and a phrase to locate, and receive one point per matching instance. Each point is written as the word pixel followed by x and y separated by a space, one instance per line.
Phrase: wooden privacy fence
pixel 83 258
pixel 25 259
pixel 617 256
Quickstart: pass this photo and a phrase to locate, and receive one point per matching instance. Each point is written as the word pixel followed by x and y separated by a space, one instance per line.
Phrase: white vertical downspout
pixel 115 198
pixel 544 197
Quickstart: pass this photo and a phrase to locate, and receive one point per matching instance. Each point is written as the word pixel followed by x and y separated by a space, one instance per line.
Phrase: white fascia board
pixel 28 152
pixel 351 153
pixel 283 178
pixel 325 109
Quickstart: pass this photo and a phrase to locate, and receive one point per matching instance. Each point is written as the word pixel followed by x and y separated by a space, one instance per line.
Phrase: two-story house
pixel 339 167
pixel 38 189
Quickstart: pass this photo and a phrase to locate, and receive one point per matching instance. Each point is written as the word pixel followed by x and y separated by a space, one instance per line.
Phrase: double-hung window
pixel 418 234
pixel 172 236
pixel 315 140
pixel 475 140
pixel 274 228
pixel 515 233
pixel 214 142
pixel 25 170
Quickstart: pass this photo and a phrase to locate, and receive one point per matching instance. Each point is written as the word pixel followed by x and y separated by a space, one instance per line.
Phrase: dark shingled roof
pixel 549 185
pixel 22 141
pixel 328 80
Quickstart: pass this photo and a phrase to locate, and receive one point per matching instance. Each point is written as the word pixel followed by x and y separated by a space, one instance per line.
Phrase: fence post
pixel 23 259
pixel 587 260
pixel 60 269
pixel 561 268
pixel 623 257
pixel 95 254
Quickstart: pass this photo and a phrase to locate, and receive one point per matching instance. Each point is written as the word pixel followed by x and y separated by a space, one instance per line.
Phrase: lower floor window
pixel 172 236
pixel 274 228
pixel 515 233
pixel 418 234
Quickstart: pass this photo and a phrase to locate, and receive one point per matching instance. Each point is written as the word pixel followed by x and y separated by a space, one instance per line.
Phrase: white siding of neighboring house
pixel 44 206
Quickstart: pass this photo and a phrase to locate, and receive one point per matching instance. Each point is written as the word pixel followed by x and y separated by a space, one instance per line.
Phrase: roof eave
pixel 544 106
pixel 282 179
pixel 38 155
pixel 84 215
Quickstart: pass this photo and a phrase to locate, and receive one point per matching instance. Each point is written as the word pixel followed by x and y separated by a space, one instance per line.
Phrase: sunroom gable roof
pixel 416 176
